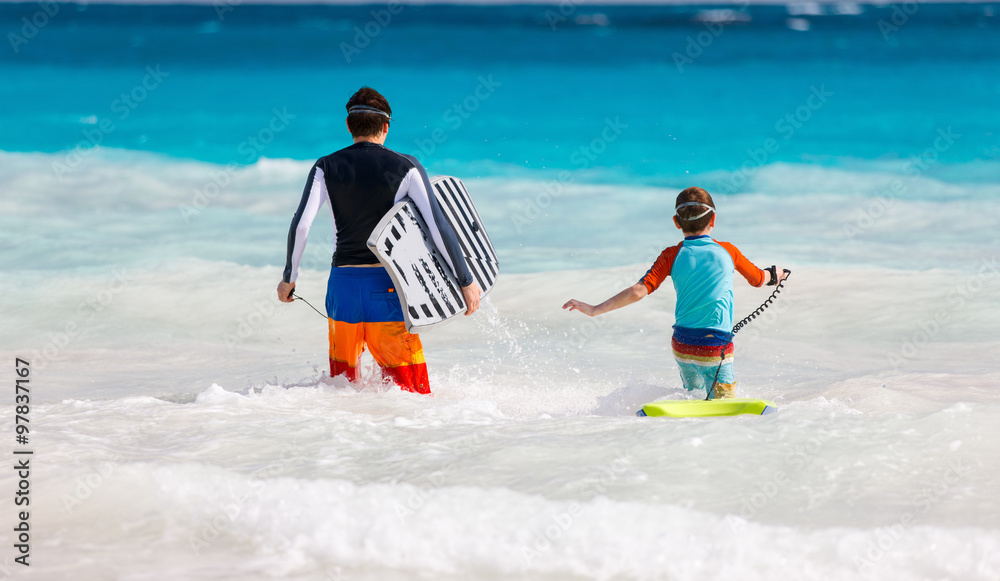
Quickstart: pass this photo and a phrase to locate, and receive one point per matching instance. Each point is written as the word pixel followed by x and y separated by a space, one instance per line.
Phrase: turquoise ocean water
pixel 740 101
pixel 151 158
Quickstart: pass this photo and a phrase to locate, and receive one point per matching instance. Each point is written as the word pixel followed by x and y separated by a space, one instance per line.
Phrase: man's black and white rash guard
pixel 362 183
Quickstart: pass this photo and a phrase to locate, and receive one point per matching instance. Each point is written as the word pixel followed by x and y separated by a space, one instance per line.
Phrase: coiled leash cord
pixel 746 321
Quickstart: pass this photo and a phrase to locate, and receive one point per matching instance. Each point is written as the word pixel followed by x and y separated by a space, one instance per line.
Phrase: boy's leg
pixel 725 390
pixel 692 377
pixel 699 365
pixel 725 386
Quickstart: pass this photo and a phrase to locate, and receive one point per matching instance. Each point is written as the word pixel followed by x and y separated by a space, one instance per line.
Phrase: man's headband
pixel 366 109
pixel 688 204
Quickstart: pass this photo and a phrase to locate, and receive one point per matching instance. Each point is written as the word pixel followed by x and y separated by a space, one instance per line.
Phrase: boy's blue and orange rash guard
pixel 702 272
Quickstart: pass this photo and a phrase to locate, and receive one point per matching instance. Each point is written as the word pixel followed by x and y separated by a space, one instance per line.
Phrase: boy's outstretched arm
pixel 632 294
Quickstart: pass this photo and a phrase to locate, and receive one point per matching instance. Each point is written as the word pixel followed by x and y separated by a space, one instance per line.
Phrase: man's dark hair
pixel 367 123
pixel 684 215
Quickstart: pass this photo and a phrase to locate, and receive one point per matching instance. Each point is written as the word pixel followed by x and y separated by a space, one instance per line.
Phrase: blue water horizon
pixel 621 94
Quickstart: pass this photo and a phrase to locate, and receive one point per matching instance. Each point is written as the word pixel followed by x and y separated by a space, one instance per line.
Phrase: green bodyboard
pixel 699 408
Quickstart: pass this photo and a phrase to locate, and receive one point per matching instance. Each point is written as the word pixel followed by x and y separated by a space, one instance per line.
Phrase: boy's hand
pixel 776 275
pixel 575 305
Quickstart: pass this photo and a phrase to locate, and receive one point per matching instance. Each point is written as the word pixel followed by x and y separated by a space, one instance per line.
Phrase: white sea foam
pixel 298 483
pixel 187 428
pixel 127 208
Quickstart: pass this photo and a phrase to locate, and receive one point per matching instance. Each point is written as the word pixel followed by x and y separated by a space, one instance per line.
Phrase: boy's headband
pixel 689 204
pixel 366 109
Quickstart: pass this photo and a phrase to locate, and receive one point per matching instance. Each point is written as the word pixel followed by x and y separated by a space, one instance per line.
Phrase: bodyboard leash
pixel 746 321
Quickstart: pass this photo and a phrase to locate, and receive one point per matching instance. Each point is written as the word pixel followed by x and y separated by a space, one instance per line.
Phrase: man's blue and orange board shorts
pixel 364 310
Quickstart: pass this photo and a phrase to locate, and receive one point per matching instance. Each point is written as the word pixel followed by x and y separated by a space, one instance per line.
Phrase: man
pixel 362 182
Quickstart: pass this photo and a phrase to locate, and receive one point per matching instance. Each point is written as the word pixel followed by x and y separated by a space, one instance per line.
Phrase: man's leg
pixel 346 346
pixel 344 309
pixel 400 355
pixel 398 352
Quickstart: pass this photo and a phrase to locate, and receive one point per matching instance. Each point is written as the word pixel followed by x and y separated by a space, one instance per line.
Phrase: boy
pixel 702 273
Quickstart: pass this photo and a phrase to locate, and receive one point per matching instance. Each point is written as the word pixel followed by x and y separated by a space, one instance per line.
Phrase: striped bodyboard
pixel 427 288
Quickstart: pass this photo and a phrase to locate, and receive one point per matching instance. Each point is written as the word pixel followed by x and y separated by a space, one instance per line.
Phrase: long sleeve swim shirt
pixel 701 269
pixel 362 182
